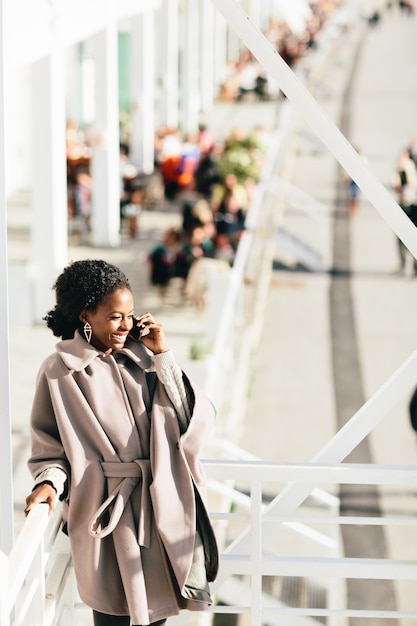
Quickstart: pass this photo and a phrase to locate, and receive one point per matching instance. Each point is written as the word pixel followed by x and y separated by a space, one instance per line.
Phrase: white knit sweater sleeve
pixel 54 475
pixel 170 375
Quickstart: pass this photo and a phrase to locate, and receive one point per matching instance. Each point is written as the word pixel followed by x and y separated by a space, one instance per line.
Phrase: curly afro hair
pixel 82 285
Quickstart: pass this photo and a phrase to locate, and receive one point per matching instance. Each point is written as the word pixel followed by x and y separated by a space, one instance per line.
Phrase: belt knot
pixel 115 503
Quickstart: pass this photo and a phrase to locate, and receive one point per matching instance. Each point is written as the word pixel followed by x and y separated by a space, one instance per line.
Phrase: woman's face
pixel 111 321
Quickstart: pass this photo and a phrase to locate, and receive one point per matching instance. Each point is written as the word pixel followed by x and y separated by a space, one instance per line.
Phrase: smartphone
pixel 139 331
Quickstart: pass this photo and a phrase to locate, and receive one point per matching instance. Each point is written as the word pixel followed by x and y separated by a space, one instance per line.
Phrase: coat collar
pixel 77 354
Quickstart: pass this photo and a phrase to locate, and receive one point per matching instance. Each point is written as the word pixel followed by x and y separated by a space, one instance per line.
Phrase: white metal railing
pixel 251 555
pixel 232 498
pixel 245 298
pixel 40 587
pixel 309 245
pixel 255 548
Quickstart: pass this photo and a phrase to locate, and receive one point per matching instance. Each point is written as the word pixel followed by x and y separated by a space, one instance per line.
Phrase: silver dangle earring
pixel 88 331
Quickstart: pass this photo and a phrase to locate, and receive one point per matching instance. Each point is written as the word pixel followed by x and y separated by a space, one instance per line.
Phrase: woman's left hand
pixel 152 335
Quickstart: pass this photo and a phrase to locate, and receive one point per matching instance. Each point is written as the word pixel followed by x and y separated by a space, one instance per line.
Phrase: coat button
pixel 177 445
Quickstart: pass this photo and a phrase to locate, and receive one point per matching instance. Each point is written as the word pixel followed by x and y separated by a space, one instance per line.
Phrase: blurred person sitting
pixel 80 206
pixel 412 150
pixel 205 140
pixel 196 213
pixel 127 173
pixel 206 174
pixel 224 250
pixel 132 208
pixel 168 159
pixel 161 260
pixel 197 283
pixel 229 185
pixel 190 250
pixel 76 147
pixel 246 75
pixel 229 208
pixel 230 219
pixel 190 156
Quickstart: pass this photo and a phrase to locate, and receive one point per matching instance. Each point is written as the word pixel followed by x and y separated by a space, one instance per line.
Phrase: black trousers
pixel 102 619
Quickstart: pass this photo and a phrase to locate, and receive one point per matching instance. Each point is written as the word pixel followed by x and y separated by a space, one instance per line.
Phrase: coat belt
pixel 130 473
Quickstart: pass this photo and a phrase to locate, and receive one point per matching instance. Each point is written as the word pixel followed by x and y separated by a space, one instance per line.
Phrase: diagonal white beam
pixel 319 121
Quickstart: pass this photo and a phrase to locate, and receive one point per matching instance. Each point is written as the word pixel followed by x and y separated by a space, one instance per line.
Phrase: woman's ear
pixel 83 316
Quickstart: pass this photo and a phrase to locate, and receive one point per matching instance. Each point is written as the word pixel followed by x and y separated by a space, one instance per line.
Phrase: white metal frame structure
pixel 246 555
pixel 41 586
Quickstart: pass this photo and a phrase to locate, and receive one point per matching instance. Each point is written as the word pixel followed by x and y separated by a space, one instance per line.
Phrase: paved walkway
pixel 294 386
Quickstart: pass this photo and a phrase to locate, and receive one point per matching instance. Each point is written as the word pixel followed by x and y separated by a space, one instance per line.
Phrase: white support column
pixel 206 72
pixel 49 185
pixel 6 490
pixel 190 102
pixel 233 44
pixel 74 81
pixel 168 44
pixel 220 49
pixel 143 91
pixel 106 161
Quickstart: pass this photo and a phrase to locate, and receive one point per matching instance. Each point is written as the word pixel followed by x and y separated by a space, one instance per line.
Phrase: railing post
pixel 256 552
pixel 32 596
pixel 69 599
pixel 4 586
pixel 26 570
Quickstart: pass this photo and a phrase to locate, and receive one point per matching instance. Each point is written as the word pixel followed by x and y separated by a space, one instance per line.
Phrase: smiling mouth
pixel 118 337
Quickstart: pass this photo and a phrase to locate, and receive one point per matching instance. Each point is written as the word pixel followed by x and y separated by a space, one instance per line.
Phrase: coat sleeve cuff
pixel 55 476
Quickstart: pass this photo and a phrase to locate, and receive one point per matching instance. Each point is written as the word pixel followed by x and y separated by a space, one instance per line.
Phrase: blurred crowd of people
pixel 178 157
pixel 375 14
pixel 212 183
pixel 245 76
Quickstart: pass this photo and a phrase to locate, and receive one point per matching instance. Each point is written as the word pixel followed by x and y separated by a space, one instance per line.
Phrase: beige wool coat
pixel 135 483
